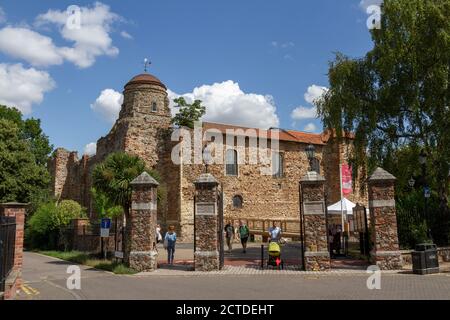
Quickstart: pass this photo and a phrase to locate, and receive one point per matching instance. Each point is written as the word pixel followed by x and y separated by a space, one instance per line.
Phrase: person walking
pixel 274 233
pixel 244 233
pixel 229 234
pixel 170 240
pixel 158 234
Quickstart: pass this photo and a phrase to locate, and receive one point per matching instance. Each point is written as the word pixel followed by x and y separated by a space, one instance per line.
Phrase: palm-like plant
pixel 113 177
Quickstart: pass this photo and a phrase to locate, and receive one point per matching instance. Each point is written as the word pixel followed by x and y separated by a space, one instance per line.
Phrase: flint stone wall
pixel 383 221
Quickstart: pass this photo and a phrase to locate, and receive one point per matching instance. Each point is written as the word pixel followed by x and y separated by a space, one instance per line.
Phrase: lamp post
pixel 426 190
pixel 310 153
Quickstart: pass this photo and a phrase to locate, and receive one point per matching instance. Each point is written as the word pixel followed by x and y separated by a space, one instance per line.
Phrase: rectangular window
pixel 231 163
pixel 277 165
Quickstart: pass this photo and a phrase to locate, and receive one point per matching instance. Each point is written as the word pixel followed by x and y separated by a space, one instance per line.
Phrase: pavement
pixel 45 278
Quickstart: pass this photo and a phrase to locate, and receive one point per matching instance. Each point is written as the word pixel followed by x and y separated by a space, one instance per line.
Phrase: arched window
pixel 238 202
pixel 154 107
pixel 315 165
pixel 231 163
pixel 277 164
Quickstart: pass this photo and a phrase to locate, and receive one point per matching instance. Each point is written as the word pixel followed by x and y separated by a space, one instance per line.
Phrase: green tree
pixel 113 177
pixel 31 131
pixel 189 113
pixel 104 206
pixel 398 95
pixel 21 177
pixel 46 225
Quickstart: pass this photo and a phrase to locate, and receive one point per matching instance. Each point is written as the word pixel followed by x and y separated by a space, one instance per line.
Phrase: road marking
pixel 29 290
pixel 25 289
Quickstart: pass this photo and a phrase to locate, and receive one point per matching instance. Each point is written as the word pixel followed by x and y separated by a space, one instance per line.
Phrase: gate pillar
pixel 383 221
pixel 313 222
pixel 141 227
pixel 16 210
pixel 206 223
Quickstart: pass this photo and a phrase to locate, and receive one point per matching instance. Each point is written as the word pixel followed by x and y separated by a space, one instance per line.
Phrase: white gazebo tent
pixel 346 207
pixel 341 212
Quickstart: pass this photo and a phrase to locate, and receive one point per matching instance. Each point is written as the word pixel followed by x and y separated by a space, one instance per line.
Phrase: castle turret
pixel 145 95
pixel 144 118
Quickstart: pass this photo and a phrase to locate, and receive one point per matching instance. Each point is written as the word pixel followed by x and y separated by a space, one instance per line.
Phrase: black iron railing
pixel 7 248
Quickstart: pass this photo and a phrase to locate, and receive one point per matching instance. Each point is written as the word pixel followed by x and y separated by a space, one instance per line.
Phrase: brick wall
pixel 14 281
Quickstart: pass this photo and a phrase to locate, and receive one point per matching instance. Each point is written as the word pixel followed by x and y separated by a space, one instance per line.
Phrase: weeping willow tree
pixel 395 99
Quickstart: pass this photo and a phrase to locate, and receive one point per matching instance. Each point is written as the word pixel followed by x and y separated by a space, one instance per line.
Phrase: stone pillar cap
pixel 206 178
pixel 143 179
pixel 381 175
pixel 14 205
pixel 312 176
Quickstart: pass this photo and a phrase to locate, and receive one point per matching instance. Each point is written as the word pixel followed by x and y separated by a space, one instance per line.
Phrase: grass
pixel 90 260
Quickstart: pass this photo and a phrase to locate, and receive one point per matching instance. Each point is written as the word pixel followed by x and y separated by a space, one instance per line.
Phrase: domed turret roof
pixel 146 78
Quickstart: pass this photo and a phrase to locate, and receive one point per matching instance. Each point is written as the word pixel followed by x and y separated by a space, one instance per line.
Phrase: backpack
pixel 243 231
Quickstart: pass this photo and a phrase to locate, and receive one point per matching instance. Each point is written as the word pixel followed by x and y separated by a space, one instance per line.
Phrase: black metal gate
pixel 361 226
pixel 302 228
pixel 220 227
pixel 7 248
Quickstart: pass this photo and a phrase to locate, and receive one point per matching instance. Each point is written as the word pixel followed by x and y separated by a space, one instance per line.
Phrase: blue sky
pixel 264 54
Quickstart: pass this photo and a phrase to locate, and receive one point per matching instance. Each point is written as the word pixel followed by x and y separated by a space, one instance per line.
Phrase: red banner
pixel 346 174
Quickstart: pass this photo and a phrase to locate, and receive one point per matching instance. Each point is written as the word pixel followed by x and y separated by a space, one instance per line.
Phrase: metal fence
pixel 7 248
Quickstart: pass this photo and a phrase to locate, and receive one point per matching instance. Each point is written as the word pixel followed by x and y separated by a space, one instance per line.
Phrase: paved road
pixel 45 278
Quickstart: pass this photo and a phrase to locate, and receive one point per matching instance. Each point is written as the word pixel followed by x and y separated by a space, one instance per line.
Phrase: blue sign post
pixel 104 228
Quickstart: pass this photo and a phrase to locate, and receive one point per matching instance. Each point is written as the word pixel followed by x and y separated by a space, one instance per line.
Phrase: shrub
pixel 46 225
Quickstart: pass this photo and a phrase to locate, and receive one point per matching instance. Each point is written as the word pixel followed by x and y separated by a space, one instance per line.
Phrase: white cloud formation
pixel 314 92
pixel 226 103
pixel 90 149
pixel 30 46
pixel 301 113
pixel 108 104
pixel 2 15
pixel 310 127
pixel 289 44
pixel 311 95
pixel 364 4
pixel 91 40
pixel 126 35
pixel 21 87
pixel 283 45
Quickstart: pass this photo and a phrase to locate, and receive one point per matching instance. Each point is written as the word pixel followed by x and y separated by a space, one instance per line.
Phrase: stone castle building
pixel 144 129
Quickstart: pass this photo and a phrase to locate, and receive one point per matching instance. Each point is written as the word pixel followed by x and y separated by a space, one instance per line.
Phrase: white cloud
pixel 30 46
pixel 289 44
pixel 283 45
pixel 226 103
pixel 2 15
pixel 21 87
pixel 310 127
pixel 311 95
pixel 126 35
pixel 314 92
pixel 91 40
pixel 90 149
pixel 364 4
pixel 301 113
pixel 108 104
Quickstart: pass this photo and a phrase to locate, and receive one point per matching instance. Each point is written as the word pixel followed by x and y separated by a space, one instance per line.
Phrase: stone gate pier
pixel 141 226
pixel 383 221
pixel 314 225
pixel 207 242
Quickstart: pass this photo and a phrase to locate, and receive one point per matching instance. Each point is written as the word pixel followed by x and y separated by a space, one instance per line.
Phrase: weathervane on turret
pixel 147 63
